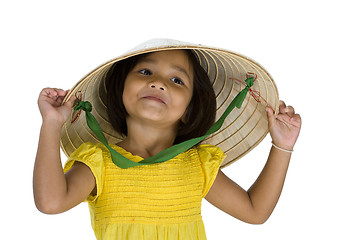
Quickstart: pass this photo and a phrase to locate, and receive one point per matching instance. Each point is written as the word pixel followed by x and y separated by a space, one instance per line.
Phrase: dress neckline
pixel 125 153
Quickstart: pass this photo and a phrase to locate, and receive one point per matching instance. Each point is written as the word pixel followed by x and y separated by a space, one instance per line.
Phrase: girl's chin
pixel 152 117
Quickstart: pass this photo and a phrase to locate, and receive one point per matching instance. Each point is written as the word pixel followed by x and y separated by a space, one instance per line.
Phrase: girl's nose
pixel 157 85
pixel 153 86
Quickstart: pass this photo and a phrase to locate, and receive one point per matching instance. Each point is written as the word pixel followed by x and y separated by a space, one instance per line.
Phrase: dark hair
pixel 201 111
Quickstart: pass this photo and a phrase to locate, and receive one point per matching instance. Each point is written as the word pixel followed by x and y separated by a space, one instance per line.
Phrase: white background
pixel 311 48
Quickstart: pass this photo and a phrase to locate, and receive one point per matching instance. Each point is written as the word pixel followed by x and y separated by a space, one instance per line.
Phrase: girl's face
pixel 159 88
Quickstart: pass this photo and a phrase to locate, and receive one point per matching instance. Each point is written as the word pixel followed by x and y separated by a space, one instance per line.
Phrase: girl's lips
pixel 154 95
pixel 155 98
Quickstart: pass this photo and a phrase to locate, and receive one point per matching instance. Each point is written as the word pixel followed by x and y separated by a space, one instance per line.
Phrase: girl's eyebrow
pixel 178 68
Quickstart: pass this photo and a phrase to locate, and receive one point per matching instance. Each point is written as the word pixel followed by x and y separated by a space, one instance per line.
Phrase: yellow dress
pixel 159 201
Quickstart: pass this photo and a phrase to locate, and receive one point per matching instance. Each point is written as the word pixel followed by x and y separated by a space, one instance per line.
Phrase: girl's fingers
pixel 61 92
pixel 284 109
pixel 58 92
pixel 296 118
pixel 48 92
pixel 53 96
pixel 290 111
pixel 53 93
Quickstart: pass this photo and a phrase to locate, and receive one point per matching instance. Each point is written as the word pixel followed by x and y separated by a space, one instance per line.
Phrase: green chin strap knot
pixel 86 106
pixel 166 154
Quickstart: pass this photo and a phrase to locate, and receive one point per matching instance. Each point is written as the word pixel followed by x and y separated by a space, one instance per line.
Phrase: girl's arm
pixel 54 191
pixel 256 204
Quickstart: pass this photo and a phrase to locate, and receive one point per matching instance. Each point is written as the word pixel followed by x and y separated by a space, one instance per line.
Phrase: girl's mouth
pixel 155 98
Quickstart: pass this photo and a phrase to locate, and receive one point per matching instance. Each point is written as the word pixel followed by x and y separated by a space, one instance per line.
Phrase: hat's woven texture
pixel 243 129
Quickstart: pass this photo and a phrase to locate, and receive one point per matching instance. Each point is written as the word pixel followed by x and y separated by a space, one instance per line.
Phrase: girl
pixel 155 99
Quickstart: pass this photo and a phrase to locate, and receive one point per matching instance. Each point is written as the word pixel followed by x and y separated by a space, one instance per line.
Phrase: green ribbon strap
pixel 166 154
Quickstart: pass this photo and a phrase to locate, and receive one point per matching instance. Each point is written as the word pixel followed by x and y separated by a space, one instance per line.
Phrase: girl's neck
pixel 147 141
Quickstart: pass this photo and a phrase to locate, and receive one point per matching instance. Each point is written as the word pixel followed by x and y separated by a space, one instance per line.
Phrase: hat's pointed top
pixel 160 43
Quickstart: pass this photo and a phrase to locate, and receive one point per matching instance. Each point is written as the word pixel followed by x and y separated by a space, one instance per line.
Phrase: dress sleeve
pixel 91 155
pixel 211 158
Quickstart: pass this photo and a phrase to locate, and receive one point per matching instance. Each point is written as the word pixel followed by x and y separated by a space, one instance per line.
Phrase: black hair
pixel 201 111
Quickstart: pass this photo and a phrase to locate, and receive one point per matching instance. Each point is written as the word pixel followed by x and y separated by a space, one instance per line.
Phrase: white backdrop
pixel 311 48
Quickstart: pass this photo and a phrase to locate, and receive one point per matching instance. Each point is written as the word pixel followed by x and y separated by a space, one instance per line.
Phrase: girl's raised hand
pixel 51 107
pixel 285 127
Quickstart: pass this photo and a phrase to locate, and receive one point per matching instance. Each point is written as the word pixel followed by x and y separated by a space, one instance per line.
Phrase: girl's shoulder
pixel 211 158
pixel 208 150
pixel 87 149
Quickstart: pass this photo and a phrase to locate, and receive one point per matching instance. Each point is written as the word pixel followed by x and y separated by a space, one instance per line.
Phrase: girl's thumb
pixel 271 116
pixel 70 102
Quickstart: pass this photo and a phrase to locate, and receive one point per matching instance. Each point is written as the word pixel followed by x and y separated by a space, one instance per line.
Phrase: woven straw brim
pixel 243 129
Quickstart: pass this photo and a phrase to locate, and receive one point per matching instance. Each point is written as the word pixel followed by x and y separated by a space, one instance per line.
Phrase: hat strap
pixel 168 153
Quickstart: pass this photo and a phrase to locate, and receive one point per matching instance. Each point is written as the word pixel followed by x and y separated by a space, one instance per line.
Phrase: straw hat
pixel 242 130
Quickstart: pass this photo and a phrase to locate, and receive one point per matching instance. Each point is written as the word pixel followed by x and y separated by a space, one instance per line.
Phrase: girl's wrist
pixel 281 148
pixel 52 123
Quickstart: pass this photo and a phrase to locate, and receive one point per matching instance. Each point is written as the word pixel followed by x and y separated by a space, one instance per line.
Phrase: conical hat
pixel 243 129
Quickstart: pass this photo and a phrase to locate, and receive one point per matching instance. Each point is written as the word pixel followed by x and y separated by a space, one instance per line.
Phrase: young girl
pixel 154 99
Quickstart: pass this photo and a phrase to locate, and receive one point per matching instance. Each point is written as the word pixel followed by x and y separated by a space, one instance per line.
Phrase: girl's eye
pixel 145 72
pixel 177 81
